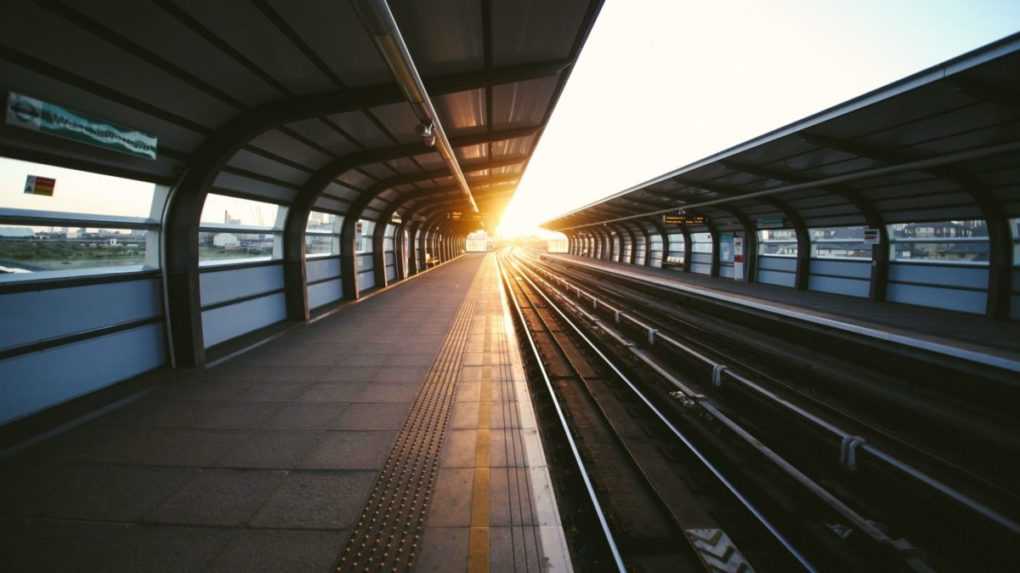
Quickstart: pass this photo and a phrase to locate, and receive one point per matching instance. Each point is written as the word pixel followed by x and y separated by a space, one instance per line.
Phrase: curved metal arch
pixel 750 239
pixel 634 230
pixel 656 224
pixel 396 206
pixel 623 232
pixel 358 207
pixel 484 185
pixel 184 209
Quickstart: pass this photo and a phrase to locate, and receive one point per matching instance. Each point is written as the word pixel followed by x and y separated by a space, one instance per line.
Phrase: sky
pixel 94 194
pixel 663 83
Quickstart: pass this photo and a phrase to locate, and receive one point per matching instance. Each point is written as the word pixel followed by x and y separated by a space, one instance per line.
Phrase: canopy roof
pixel 941 144
pixel 296 93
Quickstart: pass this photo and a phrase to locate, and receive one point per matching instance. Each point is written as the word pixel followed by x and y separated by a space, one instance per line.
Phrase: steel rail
pixel 837 432
pixel 744 501
pixel 596 504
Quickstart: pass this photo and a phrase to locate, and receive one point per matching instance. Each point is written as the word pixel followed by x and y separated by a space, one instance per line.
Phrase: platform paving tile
pixel 374 416
pixel 443 550
pixel 476 373
pixel 357 392
pixel 46 545
pixel 309 416
pixel 272 449
pixel 514 549
pixel 264 462
pixel 400 374
pixel 510 497
pixel 166 447
pixel 484 359
pixel 280 551
pixel 348 450
pixel 219 497
pixel 245 371
pixel 317 500
pixel 451 506
pixel 465 416
pixel 212 415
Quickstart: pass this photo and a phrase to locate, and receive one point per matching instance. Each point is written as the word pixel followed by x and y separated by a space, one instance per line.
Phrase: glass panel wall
pixel 235 230
pixel 57 222
pixel 700 242
pixel 955 242
pixel 676 254
pixel 322 235
pixel 841 243
pixel 777 242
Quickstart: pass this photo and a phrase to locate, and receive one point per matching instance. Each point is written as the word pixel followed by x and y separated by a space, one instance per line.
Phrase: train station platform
pixel 969 337
pixel 397 430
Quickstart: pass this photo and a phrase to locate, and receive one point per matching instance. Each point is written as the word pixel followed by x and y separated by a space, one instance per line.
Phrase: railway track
pixel 646 482
pixel 818 527
pixel 915 406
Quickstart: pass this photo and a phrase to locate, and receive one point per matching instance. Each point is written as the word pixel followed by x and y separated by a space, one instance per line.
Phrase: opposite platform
pixel 965 336
pixel 268 461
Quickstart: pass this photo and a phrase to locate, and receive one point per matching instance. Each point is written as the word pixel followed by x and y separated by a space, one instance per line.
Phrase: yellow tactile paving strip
pixel 387 536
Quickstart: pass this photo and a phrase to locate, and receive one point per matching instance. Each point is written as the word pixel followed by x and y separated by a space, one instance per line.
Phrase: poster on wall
pixel 35 185
pixel 27 112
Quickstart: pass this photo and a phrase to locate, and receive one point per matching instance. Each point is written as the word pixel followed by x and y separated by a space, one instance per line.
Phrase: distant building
pixel 226 241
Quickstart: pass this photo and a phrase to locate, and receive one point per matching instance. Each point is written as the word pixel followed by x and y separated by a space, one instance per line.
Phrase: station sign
pixel 35 185
pixel 682 217
pixel 27 112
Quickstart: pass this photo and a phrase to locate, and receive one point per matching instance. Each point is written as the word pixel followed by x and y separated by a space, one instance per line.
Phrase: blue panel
pixel 231 321
pixel 777 264
pixel 962 300
pixel 726 271
pixel 324 293
pixel 701 268
pixel 225 285
pixel 391 273
pixel 39 315
pixel 939 275
pixel 850 287
pixel 366 280
pixel 32 382
pixel 854 269
pixel 390 258
pixel 319 269
pixel 776 278
pixel 364 262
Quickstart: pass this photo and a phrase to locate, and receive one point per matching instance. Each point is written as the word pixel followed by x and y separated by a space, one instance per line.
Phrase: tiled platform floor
pixel 264 462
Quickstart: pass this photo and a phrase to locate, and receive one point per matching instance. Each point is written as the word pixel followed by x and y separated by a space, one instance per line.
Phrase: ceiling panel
pixel 156 29
pixel 103 63
pixel 445 36
pixel 251 33
pixel 342 45
pixel 462 112
pixel 323 134
pixel 532 30
pixel 522 103
pixel 359 127
pixel 288 147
